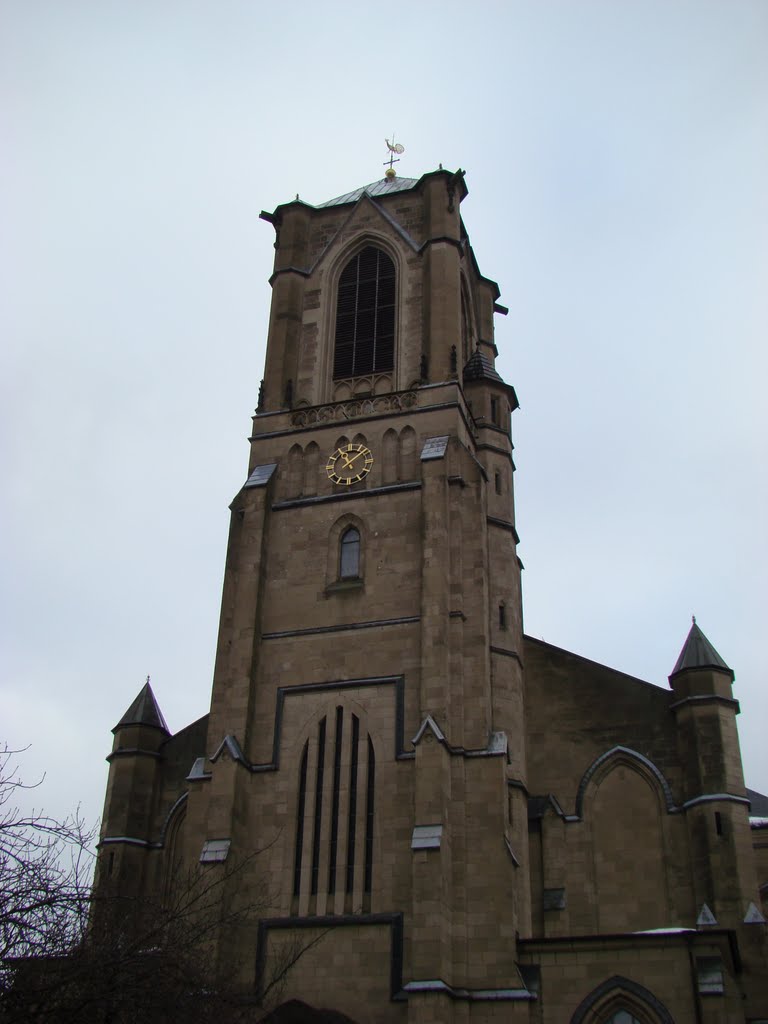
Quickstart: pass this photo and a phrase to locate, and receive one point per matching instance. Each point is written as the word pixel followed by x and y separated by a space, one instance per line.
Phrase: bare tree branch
pixel 71 954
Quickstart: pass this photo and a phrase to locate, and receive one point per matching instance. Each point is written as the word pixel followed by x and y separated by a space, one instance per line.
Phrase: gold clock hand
pixel 349 463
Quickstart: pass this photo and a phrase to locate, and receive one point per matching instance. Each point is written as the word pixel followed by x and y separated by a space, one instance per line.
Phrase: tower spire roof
pixel 144 711
pixel 698 652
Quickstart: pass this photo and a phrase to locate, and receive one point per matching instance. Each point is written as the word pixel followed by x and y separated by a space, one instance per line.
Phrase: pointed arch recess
pixel 294 475
pixel 334 844
pixel 616 755
pixel 311 469
pixel 172 839
pixel 468 330
pixel 409 460
pixel 619 993
pixel 390 447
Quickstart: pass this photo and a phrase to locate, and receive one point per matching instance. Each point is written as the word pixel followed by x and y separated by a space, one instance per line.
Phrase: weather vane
pixel 394 148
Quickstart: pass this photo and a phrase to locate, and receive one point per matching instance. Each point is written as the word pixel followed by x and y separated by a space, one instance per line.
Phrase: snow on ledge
pixel 664 931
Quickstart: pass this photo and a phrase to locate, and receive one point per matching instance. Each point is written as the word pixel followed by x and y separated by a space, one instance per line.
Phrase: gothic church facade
pixel 476 825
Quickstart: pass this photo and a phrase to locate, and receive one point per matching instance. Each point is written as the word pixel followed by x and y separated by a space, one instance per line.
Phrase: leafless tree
pixel 45 874
pixel 71 954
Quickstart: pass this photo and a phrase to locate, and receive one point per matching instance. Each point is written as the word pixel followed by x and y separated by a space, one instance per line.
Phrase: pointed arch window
pixel 349 554
pixel 365 316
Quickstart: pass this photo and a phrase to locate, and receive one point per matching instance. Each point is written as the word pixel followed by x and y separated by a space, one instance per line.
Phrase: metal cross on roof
pixel 394 148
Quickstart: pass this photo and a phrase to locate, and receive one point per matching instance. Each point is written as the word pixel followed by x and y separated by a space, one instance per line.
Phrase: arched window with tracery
pixel 365 316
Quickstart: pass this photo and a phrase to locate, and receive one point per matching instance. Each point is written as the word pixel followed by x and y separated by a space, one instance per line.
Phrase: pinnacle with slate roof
pixel 698 652
pixel 144 711
pixel 480 367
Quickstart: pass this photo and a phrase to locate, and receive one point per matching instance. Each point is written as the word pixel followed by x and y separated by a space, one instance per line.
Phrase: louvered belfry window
pixel 365 316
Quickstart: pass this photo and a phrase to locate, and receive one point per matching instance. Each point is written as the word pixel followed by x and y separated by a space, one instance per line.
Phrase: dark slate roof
pixel 759 804
pixel 382 187
pixel 480 367
pixel 698 652
pixel 144 711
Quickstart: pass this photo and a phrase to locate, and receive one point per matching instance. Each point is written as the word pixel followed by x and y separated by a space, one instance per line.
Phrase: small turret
pixel 134 770
pixel 714 796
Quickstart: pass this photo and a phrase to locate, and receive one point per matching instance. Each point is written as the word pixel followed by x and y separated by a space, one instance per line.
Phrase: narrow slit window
pixel 369 813
pixel 349 555
pixel 502 616
pixel 365 316
pixel 352 805
pixel 300 822
pixel 335 801
pixel 318 807
pixel 497 480
pixel 494 410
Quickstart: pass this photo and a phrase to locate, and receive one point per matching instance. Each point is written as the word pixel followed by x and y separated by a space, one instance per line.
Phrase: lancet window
pixel 365 315
pixel 349 554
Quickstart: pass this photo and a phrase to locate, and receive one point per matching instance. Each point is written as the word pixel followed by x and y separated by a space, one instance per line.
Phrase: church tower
pixel 368 672
pixel 367 717
pixel 437 818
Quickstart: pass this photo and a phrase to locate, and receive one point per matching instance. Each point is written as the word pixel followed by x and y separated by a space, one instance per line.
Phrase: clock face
pixel 349 464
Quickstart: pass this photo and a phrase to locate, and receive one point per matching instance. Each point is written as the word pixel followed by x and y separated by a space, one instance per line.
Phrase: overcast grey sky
pixel 616 155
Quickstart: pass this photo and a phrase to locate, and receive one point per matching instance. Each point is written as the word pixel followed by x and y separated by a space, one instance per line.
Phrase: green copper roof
pixel 144 711
pixel 698 652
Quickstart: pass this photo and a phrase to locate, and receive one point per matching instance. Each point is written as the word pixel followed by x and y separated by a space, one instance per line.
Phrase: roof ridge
pixel 380 187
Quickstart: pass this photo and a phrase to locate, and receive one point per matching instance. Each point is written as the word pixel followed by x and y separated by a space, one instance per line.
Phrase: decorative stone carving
pixel 373 405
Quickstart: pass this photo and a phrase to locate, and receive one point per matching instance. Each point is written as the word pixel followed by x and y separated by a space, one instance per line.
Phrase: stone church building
pixel 475 825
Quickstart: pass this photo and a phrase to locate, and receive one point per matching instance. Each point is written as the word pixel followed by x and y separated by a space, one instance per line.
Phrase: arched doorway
pixel 296 1012
pixel 621 1001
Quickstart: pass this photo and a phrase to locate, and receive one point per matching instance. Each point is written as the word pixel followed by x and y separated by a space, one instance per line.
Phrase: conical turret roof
pixel 144 711
pixel 698 652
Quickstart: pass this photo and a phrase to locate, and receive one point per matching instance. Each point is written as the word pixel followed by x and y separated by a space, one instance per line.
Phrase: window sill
pixel 342 586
